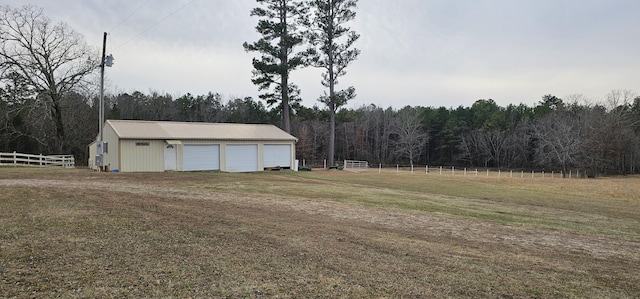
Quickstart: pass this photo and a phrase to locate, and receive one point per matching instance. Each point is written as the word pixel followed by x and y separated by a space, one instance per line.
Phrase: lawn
pixel 333 234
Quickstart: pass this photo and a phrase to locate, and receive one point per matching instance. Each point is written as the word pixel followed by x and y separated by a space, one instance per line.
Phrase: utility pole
pixel 104 49
pixel 101 145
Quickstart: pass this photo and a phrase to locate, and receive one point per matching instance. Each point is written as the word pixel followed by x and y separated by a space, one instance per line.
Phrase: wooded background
pixel 553 135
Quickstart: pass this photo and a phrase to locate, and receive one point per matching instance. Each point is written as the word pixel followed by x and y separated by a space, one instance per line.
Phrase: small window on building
pixel 142 143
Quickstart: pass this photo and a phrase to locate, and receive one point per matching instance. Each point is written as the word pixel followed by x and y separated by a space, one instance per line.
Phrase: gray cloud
pixel 414 52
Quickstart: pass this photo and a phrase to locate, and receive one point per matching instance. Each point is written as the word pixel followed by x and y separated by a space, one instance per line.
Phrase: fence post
pixel 522 175
pixel 543 174
pixel 40 160
pixel 15 159
pixel 499 172
pixel 487 171
pixel 440 170
pixel 325 163
pixel 465 171
pixel 411 168
pixel 453 170
pixel 476 171
pixel 426 169
pixel 510 173
pixel 397 168
pixel 380 168
pixel 532 172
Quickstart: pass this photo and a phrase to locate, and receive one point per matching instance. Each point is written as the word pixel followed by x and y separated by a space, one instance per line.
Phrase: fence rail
pixel 18 159
pixel 451 170
pixel 484 172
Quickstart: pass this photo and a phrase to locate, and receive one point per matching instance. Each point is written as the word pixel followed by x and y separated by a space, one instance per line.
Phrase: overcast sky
pixel 414 52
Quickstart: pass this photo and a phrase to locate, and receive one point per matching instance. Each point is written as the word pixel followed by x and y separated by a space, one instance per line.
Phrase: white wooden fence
pixel 18 159
pixel 444 170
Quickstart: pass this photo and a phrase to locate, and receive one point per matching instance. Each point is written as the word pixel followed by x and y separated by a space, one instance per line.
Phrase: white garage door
pixel 242 157
pixel 201 157
pixel 277 155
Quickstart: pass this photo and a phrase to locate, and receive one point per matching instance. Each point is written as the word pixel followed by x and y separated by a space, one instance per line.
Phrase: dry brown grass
pixel 77 233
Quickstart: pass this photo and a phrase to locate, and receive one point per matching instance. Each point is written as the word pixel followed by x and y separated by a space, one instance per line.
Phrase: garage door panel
pixel 201 157
pixel 242 157
pixel 277 155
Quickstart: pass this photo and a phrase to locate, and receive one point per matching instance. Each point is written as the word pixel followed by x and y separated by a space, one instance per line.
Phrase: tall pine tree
pixel 333 51
pixel 279 27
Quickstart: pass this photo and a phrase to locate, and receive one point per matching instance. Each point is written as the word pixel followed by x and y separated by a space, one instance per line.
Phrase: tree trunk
pixel 284 80
pixel 332 133
pixel 56 111
pixel 284 69
pixel 332 103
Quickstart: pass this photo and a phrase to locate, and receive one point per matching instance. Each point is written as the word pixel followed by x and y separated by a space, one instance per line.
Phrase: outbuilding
pixel 156 146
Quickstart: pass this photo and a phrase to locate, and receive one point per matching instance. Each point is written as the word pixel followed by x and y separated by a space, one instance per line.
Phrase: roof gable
pixel 137 129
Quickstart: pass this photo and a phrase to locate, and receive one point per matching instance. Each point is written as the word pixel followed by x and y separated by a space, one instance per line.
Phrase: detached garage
pixel 146 146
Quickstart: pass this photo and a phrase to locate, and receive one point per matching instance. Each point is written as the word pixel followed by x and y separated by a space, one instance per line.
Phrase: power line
pixel 155 24
pixel 129 16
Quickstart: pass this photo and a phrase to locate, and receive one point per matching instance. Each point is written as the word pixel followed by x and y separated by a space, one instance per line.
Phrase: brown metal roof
pixel 137 129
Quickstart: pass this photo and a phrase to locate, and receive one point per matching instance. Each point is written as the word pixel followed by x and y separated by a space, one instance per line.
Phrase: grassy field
pixel 332 234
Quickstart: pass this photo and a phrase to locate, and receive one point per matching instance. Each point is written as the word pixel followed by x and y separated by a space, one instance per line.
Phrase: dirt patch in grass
pixel 83 234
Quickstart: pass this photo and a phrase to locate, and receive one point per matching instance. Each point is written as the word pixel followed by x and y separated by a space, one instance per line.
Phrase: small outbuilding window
pixel 142 143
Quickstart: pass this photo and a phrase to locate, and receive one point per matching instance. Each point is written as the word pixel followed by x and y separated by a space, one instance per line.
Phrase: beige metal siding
pixel 111 159
pixel 91 162
pixel 135 157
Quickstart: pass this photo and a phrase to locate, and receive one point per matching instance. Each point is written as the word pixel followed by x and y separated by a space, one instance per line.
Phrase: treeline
pixel 554 135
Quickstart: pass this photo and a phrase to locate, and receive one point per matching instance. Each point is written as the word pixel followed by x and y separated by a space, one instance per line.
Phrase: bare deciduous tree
pixel 519 149
pixel 486 146
pixel 611 136
pixel 471 149
pixel 51 57
pixel 410 137
pixel 559 140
